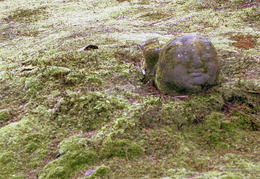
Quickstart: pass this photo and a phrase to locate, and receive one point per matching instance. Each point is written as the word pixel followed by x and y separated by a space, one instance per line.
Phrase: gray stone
pixel 151 50
pixel 186 64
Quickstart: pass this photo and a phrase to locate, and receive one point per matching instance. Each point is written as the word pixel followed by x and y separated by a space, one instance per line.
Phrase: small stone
pixel 90 47
pixel 151 50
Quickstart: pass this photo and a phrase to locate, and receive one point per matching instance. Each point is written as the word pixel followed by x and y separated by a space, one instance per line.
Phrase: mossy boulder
pixel 187 64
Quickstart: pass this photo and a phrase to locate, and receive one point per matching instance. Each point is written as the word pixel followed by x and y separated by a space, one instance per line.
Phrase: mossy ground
pixel 70 113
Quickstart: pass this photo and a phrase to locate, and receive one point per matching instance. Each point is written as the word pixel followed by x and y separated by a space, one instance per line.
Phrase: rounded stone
pixel 151 50
pixel 187 64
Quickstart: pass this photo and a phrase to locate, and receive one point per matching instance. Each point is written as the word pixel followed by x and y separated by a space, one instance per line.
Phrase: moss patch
pixel 120 148
pixel 4 115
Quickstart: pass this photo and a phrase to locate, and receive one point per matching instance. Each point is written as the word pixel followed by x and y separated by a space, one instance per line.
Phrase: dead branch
pixel 183 19
pixel 219 8
pixel 152 23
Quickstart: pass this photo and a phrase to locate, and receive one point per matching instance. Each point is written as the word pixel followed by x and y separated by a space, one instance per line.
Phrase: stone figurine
pixel 186 64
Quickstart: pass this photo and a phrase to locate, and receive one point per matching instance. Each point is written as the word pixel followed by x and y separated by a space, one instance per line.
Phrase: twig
pixel 155 22
pixel 255 117
pixel 184 18
pixel 253 92
pixel 159 21
pixel 219 8
pixel 238 169
pixel 181 97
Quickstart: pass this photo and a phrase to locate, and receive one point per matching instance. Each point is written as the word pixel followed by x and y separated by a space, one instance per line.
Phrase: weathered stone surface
pixel 151 50
pixel 187 64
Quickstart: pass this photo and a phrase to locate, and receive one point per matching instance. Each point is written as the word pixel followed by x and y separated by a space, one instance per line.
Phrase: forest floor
pixel 74 102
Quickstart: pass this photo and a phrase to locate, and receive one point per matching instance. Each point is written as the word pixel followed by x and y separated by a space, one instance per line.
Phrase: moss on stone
pixel 187 64
pixel 151 50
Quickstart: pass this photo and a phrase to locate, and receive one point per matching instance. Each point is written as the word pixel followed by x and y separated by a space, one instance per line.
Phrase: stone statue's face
pixel 195 65
pixel 188 64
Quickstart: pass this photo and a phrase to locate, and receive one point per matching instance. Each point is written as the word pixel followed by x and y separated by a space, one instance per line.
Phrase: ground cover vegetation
pixel 71 110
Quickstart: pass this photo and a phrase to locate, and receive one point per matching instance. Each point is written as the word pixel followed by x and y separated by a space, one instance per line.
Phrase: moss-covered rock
pixel 151 50
pixel 187 64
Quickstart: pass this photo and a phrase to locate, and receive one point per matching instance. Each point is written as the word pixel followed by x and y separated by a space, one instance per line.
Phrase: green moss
pixel 99 172
pixel 87 111
pixel 205 104
pixel 73 143
pixel 28 144
pixel 55 71
pixel 173 113
pixel 75 77
pixel 27 15
pixel 227 125
pixel 242 120
pixel 212 134
pixel 7 157
pixel 120 148
pixel 4 115
pixel 69 164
